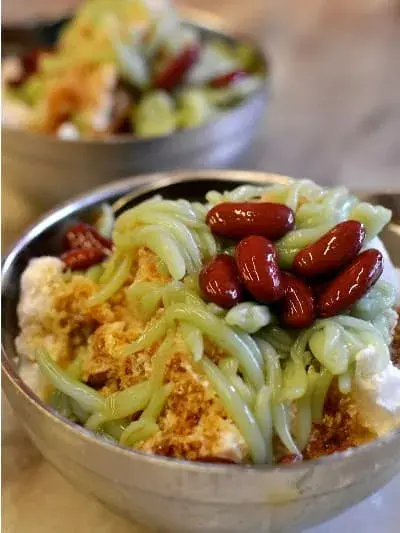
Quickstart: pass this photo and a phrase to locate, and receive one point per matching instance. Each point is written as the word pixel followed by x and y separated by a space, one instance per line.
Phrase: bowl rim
pixel 139 185
pixel 207 22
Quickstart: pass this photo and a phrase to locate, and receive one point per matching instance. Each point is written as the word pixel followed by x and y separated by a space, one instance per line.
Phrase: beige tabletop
pixel 334 116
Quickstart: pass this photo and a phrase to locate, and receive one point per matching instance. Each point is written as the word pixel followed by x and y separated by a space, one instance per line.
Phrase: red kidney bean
pixel 332 251
pixel 121 111
pixel 297 307
pixel 31 59
pixel 29 65
pixel 219 281
pixel 82 258
pixel 227 79
pixel 83 235
pixel 351 284
pixel 257 263
pixel 175 70
pixel 236 220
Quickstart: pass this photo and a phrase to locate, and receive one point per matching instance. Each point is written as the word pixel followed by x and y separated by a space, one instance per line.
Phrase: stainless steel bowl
pixel 50 170
pixel 165 494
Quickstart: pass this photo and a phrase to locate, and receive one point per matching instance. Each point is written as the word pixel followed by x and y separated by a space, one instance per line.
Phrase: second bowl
pixel 50 170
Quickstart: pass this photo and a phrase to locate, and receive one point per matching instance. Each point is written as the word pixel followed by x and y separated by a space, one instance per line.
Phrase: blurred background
pixel 334 97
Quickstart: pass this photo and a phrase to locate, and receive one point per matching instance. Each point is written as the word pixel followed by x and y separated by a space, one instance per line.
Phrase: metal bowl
pixel 164 494
pixel 50 170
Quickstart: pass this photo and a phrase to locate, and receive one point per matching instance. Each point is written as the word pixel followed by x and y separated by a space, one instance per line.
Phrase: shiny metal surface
pixel 168 495
pixel 50 170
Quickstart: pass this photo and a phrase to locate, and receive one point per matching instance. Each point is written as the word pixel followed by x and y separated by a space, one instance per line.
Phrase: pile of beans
pixel 84 247
pixel 326 278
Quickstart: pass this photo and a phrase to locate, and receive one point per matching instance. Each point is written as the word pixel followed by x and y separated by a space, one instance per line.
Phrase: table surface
pixel 334 116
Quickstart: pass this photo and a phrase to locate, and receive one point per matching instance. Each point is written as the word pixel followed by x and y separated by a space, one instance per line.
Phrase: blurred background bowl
pixel 169 495
pixel 50 170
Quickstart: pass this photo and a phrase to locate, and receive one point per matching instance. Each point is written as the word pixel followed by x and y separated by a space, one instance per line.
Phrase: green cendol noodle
pixel 266 368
